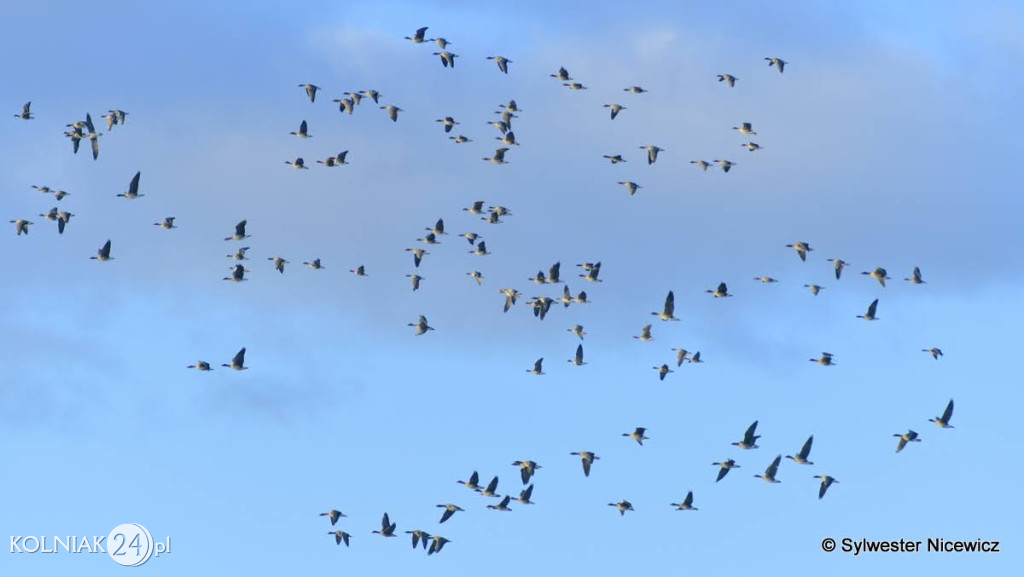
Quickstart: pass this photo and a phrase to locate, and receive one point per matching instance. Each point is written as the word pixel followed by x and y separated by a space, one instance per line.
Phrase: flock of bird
pixel 540 305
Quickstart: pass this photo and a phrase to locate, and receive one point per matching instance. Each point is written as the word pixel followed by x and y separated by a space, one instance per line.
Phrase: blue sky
pixel 887 142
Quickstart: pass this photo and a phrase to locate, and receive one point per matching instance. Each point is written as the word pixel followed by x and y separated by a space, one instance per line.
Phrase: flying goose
pixel 749 438
pixel 347 105
pixel 622 506
pixel 302 133
pixel 870 315
pixel 278 263
pixel 240 255
pixel 725 466
pixel 26 112
pixel 588 458
pixel 745 128
pixel 751 146
pixel 510 297
pixel 728 79
pixel 506 117
pixel 329 162
pixel 915 277
pixel 450 508
pixel 538 368
pixel 392 111
pixel 614 159
pixel 437 544
pixel 459 139
pixel 554 273
pixel 771 471
pixel 637 435
pixel 943 421
pixel 429 238
pixel 239 232
pixel 297 164
pixel 701 164
pixel 415 278
pixel 805 451
pixel 417 536
pixel 315 264
pixel 645 334
pixel 662 371
pixel 721 292
pixel 340 536
pixel 878 274
pixel 502 62
pixel 815 289
pixel 503 505
pixel 237 274
pixel 766 279
pixel 103 254
pixel 387 528
pixel 935 352
pixel 472 483
pixel 725 164
pixel 634 90
pixel 51 216
pixel 76 138
pixel 566 296
pixel 562 75
pixel 418 37
pixel 421 325
pixel 511 106
pixel 499 156
pixel 695 359
pixel 615 109
pixel 60 194
pixel 578 359
pixel 356 97
pixel 491 490
pixel 238 362
pixel 334 515
pixel 525 494
pixel 447 58
pixel 909 436
pixel 839 264
pixel 448 123
pixel 442 43
pixel 200 366
pixel 501 125
pixel 801 248
pixel 417 255
pixel 592 273
pixel 499 210
pixel 476 208
pixel 541 306
pixel 372 95
pixel 527 469
pixel 776 62
pixel 21 226
pixel 681 356
pixel 631 187
pixel 481 249
pixel 470 237
pixel 574 86
pixel 133 188
pixel 167 224
pixel 825 360
pixel 310 91
pixel 670 307
pixel 652 152
pixel 687 504
pixel 826 482
pixel 119 115
pixel 578 331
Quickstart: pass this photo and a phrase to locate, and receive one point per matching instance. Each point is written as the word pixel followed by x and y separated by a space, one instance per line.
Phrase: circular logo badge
pixel 130 544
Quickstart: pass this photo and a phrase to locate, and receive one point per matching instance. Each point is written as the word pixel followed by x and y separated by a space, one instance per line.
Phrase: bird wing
pixel 773 468
pixel 948 413
pixel 240 357
pixel 447 515
pixel 133 188
pixel 872 307
pixel 748 436
pixel 670 304
pixel 493 485
pixel 806 450
pixel 579 354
